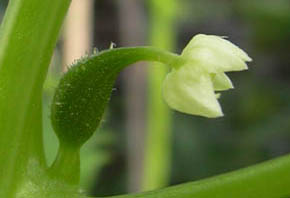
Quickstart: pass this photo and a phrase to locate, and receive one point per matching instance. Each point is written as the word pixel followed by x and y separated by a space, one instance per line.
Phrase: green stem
pixel 27 37
pixel 268 180
pixel 66 166
pixel 131 55
pixel 157 157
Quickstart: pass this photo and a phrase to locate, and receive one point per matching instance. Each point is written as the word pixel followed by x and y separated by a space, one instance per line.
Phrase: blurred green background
pixel 256 124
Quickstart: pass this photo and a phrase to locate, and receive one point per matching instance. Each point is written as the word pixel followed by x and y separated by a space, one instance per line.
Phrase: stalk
pixel 157 162
pixel 28 35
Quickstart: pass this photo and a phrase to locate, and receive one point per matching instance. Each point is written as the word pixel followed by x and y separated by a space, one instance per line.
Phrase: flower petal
pixel 189 90
pixel 221 82
pixel 216 54
pixel 215 61
pixel 219 43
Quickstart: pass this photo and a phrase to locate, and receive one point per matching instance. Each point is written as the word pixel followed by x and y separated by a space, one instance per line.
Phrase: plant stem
pixel 27 37
pixel 66 166
pixel 268 180
pixel 157 162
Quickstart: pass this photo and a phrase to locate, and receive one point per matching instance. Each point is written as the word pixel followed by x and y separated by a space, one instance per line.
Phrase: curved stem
pixel 268 180
pixel 130 55
pixel 66 166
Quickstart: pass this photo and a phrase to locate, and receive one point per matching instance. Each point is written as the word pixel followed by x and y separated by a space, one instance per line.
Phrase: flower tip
pixel 206 112
pixel 213 114
pixel 244 68
pixel 248 59
pixel 244 56
pixel 197 111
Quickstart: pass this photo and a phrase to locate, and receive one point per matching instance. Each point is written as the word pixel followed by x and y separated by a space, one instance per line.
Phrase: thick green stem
pixel 27 37
pixel 157 162
pixel 66 166
pixel 268 180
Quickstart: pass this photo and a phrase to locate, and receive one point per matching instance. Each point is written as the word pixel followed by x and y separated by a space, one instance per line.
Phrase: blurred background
pixel 141 144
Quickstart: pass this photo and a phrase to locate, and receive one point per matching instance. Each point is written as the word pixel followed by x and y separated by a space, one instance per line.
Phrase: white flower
pixel 190 87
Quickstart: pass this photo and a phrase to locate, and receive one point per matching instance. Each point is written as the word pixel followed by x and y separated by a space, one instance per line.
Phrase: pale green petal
pixel 215 61
pixel 218 43
pixel 189 90
pixel 218 95
pixel 221 82
pixel 216 54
